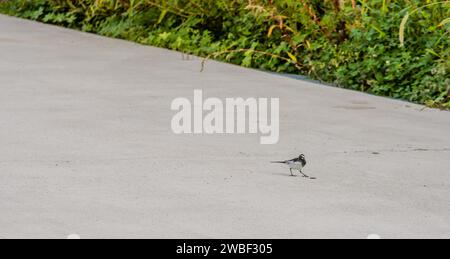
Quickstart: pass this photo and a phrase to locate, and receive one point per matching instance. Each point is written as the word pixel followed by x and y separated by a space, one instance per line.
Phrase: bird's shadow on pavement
pixel 295 176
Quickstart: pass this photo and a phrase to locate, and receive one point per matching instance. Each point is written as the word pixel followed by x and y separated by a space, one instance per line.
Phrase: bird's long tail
pixel 278 162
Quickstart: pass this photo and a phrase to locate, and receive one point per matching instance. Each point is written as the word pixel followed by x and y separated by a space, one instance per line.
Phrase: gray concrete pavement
pixel 86 148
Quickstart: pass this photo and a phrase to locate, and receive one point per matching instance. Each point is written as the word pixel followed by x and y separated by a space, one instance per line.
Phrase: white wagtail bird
pixel 295 164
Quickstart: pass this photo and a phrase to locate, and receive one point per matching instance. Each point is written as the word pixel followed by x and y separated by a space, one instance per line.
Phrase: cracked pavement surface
pixel 86 148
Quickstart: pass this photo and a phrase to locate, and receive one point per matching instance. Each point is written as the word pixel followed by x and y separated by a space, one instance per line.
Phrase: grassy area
pixel 395 48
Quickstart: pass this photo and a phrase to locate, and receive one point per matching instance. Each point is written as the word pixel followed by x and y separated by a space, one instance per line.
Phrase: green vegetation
pixel 395 48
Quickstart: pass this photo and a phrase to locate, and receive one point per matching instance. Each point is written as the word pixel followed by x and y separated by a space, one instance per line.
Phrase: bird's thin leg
pixel 292 174
pixel 304 175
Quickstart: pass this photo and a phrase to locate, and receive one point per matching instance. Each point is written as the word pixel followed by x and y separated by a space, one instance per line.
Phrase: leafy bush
pixel 395 48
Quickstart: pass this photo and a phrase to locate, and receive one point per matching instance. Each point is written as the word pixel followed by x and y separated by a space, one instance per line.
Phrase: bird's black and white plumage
pixel 295 164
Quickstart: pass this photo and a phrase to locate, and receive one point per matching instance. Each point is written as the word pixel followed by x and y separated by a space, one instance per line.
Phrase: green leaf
pixel 444 22
pixel 292 56
pixel 162 15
